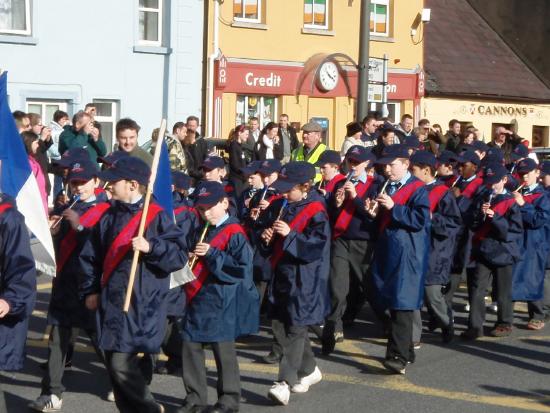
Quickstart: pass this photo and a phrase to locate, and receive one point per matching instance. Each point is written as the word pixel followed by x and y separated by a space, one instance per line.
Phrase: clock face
pixel 328 76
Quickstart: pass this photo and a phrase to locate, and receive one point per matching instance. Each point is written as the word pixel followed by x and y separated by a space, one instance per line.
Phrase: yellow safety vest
pixel 312 157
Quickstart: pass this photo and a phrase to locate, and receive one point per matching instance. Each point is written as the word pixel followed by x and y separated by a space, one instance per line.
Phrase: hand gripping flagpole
pixel 150 186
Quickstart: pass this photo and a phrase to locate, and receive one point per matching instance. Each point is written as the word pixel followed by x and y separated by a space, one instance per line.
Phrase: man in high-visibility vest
pixel 311 148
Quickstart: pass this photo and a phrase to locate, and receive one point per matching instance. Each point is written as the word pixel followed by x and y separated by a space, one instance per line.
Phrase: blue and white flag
pixel 17 180
pixel 162 189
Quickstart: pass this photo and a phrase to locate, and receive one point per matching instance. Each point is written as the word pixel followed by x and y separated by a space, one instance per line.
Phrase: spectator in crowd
pixel 127 131
pixel 386 138
pixel 45 141
pixel 179 131
pixel 197 148
pixel 405 128
pixel 437 128
pixel 31 141
pixel 425 141
pixel 238 158
pixel 82 134
pixel 467 139
pixel 288 137
pixel 91 110
pixel 254 136
pixel 176 153
pixel 506 140
pixel 312 147
pixel 369 135
pixel 59 121
pixel 354 132
pixel 269 145
pixel 21 121
pixel 452 138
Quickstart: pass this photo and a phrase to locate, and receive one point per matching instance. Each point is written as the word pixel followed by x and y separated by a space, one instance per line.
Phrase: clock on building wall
pixel 328 76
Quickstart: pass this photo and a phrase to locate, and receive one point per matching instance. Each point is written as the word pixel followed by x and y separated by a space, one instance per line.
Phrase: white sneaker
pixel 111 396
pixel 47 403
pixel 279 393
pixel 467 307
pixel 304 383
pixel 493 307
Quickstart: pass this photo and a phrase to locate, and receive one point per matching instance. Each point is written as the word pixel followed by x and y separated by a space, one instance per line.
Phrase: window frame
pixel 373 15
pixel 245 19
pixel 326 26
pixel 115 105
pixel 160 12
pixel 62 104
pixel 28 23
pixel 260 116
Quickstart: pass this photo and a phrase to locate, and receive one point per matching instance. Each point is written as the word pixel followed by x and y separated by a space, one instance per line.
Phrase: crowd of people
pixel 293 230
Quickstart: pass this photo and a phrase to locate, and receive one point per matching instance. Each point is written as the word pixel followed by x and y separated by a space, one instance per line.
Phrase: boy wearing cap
pixel 352 244
pixel 329 165
pixel 268 170
pixel 446 173
pixel 446 222
pixel 400 262
pixel 255 184
pixel 106 260
pixel 529 271
pixel 495 218
pixel 67 313
pixel 17 287
pixel 222 303
pixel 543 306
pixel 214 170
pixel 299 241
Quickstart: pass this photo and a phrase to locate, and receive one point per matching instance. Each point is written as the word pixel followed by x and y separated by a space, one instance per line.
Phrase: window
pixel 262 107
pixel 379 17
pixel 45 108
pixel 540 136
pixel 15 17
pixel 394 110
pixel 316 14
pixel 150 22
pixel 247 10
pixel 107 116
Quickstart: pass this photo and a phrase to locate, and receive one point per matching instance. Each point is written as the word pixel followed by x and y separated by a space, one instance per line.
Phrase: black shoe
pixel 272 358
pixel 395 365
pixel 190 408
pixel 328 341
pixel 162 370
pixel 432 325
pixel 317 330
pixel 471 334
pixel 221 408
pixel 448 334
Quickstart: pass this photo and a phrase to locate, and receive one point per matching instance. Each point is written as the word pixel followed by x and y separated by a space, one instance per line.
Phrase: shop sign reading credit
pixel 272 80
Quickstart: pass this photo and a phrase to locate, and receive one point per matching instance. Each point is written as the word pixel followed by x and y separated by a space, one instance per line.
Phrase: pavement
pixel 488 375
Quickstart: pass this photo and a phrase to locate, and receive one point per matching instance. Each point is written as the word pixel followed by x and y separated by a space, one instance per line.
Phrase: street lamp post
pixel 362 106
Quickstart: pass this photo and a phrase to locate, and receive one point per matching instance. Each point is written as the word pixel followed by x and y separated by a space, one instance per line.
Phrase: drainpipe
pixel 211 59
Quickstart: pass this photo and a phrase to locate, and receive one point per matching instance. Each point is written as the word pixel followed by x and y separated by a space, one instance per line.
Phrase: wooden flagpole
pixel 154 168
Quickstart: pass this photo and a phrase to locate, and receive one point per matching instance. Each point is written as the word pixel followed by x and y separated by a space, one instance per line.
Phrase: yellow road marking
pixel 44 286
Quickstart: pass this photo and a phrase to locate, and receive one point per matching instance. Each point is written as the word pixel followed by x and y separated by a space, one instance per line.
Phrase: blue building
pixel 132 58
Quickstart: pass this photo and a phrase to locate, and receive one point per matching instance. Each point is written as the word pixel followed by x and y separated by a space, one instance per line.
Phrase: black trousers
pixel 479 282
pixel 540 310
pixel 400 341
pixel 194 373
pixel 59 343
pixel 3 408
pixel 350 260
pixel 172 342
pixel 298 359
pixel 132 394
pixel 454 283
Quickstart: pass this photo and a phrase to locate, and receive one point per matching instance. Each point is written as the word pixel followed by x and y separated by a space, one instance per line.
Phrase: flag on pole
pixel 162 189
pixel 17 180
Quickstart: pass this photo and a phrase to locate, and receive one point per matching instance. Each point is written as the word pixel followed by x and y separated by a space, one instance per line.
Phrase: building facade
pixel 266 58
pixel 132 58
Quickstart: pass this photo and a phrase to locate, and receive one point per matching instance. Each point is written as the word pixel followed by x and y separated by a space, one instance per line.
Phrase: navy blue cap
pixel 411 141
pixel 494 155
pixel 526 165
pixel 480 146
pixel 213 162
pixel 424 158
pixel 208 194
pixel 181 181
pixel 111 158
pixel 251 168
pixel 447 157
pixel 129 168
pixel 519 152
pixel 545 167
pixel 329 157
pixel 469 156
pixel 83 170
pixel 392 152
pixel 359 154
pixel 269 166
pixel 71 156
pixel 292 174
pixel 493 173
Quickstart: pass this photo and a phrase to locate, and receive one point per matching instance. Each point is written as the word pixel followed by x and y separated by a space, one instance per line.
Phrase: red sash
pixel 345 217
pixel 298 224
pixel 4 207
pixel 123 242
pixel 435 195
pixel 87 220
pixel 471 188
pixel 184 208
pixel 274 198
pixel 500 208
pixel 532 197
pixel 401 197
pixel 201 271
pixel 329 187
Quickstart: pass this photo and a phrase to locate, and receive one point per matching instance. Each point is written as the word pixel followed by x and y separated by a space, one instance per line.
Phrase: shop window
pixel 150 22
pixel 45 108
pixel 316 14
pixel 465 125
pixel 494 127
pixel 394 110
pixel 540 136
pixel 379 17
pixel 262 107
pixel 107 117
pixel 247 10
pixel 15 17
